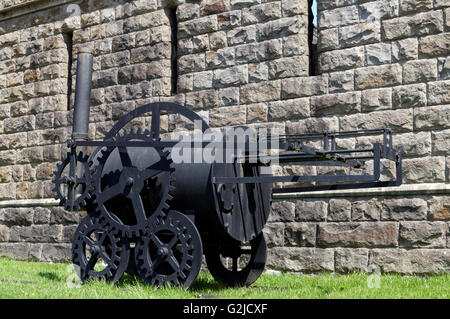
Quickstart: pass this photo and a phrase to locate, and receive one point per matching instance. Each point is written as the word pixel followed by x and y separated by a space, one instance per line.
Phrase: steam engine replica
pixel 155 218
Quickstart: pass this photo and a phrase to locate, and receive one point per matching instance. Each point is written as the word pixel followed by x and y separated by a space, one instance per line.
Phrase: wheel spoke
pixel 173 241
pixel 138 209
pixel 156 240
pixel 124 157
pixel 109 193
pixel 102 238
pixel 91 263
pixel 89 241
pixel 106 258
pixel 235 264
pixel 174 263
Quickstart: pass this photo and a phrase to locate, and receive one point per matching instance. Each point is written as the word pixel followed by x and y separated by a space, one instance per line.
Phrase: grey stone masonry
pixel 241 62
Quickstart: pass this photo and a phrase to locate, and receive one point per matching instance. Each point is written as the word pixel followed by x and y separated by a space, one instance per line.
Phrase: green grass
pixel 45 281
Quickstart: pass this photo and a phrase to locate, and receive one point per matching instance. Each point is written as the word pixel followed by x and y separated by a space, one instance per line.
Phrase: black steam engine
pixel 153 217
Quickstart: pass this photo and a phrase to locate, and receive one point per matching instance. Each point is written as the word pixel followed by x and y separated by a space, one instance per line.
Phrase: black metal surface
pixel 131 185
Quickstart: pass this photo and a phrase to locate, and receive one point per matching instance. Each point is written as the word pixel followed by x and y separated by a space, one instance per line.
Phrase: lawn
pixel 45 281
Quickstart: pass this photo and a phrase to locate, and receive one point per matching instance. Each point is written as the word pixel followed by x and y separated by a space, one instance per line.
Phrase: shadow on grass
pixel 51 276
pixel 201 284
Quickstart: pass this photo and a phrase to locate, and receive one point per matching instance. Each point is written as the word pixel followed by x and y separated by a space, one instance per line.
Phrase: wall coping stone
pixel 30 7
pixel 405 189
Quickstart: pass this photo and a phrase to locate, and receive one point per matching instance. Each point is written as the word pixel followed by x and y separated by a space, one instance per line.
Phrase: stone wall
pixel 243 62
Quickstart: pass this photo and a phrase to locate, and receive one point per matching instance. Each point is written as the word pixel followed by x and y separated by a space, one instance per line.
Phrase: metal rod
pixel 82 95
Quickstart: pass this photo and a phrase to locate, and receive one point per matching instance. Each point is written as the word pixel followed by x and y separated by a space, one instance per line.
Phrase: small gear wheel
pixel 131 184
pixel 97 253
pixel 170 252
pixel 73 191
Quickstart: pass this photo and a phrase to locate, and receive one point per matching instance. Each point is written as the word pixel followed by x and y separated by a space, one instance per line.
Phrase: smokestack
pixel 80 129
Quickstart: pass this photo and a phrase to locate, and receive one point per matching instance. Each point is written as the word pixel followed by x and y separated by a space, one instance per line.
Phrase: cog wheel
pixel 170 252
pixel 66 186
pixel 97 253
pixel 131 184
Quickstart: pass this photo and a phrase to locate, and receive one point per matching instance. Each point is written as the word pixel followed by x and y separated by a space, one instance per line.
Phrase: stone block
pixel 359 34
pixel 301 259
pixel 227 116
pixel 338 103
pixel 233 76
pixel 261 13
pixel 204 99
pixel 260 92
pixel 409 96
pixel 420 71
pixel 404 209
pixel 313 125
pixel 289 110
pixel 282 211
pixel 282 27
pixel 341 81
pixel 379 53
pixel 241 35
pixel 304 86
pixel 18 251
pixel 415 261
pixel 274 234
pixel 300 234
pixel 288 67
pixel 441 142
pixel 4 233
pixel 61 216
pixel 406 49
pixel 351 260
pixel 258 52
pixel 432 117
pixel 16 216
pixel 378 76
pixel 398 120
pixel 339 210
pixel 341 59
pixel 368 209
pixel 438 92
pixel 423 234
pixel 228 96
pixel 376 99
pixel 257 113
pixel 365 234
pixel 310 210
pixel 414 144
pixel 420 24
pixel 439 208
pixel 220 58
pixel 338 17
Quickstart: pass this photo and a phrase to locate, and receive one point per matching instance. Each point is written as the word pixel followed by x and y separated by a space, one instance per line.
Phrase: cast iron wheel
pixel 97 253
pixel 170 252
pixel 236 277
